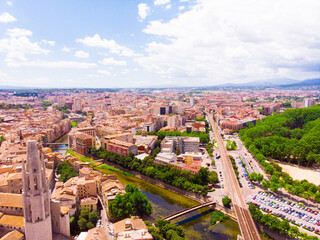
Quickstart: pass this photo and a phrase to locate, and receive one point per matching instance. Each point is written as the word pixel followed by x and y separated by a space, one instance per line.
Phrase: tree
pixel 121 208
pixel 66 171
pixel 266 184
pixel 226 201
pixel 93 217
pixel 213 177
pixel 133 202
pixel 90 225
pixel 74 124
pixel 82 223
pixel 84 213
pixel 203 175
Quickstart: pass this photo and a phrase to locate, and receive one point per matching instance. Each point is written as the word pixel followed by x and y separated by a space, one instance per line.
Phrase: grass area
pixel 79 156
pixel 97 165
pixel 214 144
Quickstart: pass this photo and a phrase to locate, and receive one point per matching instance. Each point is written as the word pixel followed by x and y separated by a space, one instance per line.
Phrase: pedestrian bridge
pixel 188 210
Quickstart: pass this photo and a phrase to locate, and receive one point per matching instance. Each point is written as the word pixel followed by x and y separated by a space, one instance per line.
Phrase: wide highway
pixel 247 227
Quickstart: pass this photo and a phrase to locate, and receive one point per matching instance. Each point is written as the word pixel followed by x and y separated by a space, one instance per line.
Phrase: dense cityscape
pixel 160 120
pixel 74 162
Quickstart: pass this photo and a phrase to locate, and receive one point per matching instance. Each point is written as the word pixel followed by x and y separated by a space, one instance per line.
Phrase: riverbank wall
pixel 191 195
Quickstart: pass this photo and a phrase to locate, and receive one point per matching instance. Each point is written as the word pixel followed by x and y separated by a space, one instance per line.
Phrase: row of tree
pixel 14 106
pixel 209 148
pixel 203 136
pixel 276 224
pixel 132 203
pixel 179 178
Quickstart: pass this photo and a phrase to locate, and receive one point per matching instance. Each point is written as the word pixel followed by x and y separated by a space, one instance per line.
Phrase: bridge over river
pixel 188 210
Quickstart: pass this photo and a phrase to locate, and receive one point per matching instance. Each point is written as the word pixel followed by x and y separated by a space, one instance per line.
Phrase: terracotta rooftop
pixel 17 221
pixel 13 235
pixel 11 200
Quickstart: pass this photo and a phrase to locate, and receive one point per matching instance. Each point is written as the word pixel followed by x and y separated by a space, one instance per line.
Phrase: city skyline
pixel 156 43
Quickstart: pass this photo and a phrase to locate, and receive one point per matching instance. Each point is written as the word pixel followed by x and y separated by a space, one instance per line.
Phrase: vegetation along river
pixel 196 225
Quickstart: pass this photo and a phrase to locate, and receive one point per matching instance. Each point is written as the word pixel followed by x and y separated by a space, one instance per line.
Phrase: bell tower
pixel 36 201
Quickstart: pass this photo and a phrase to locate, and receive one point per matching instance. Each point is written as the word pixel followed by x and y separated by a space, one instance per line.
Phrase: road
pixel 245 221
pixel 105 222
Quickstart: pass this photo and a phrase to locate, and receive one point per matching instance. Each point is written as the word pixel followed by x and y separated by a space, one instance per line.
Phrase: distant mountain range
pixel 266 82
pixel 305 83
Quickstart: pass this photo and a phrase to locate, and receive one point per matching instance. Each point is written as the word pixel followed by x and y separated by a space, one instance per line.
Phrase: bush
pixel 226 201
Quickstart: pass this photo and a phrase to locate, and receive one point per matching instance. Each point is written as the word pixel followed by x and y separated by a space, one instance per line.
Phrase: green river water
pixel 196 225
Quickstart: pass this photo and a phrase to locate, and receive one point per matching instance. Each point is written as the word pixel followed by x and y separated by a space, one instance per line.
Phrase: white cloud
pixel 82 54
pixel 17 45
pixel 18 32
pixel 7 17
pixel 9 3
pixel 55 64
pixel 143 11
pixel 65 49
pixel 213 44
pixel 161 2
pixel 181 8
pixel 51 43
pixel 168 6
pixel 104 72
pixel 112 62
pixel 97 41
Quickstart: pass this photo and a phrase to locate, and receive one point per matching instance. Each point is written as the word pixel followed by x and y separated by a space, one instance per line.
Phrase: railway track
pixel 245 221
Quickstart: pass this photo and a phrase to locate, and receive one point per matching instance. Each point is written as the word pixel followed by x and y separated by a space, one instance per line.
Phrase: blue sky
pixel 129 43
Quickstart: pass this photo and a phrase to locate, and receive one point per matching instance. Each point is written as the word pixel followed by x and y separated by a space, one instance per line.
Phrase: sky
pixel 130 43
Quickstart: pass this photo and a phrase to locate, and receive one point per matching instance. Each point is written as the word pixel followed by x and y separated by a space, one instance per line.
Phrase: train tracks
pixel 245 221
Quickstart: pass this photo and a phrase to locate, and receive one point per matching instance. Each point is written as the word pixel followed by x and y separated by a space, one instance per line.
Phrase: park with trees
pixel 290 137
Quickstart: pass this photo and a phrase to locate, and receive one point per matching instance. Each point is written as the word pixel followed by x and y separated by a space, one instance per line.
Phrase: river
pixel 196 225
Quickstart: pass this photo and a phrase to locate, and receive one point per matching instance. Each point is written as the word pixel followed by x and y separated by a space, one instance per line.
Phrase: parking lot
pixel 296 213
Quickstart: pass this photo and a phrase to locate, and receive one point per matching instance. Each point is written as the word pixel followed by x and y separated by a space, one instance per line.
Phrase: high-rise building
pixel 309 102
pixel 60 100
pixel 36 201
pixel 191 101
pixel 77 105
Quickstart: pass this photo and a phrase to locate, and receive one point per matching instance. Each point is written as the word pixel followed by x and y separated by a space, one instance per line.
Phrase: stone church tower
pixel 36 201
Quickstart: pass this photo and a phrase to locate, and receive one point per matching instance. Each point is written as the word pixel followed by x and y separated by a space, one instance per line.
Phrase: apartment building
pixel 121 147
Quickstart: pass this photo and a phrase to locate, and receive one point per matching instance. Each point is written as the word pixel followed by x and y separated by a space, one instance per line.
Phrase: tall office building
pixel 36 201
pixel 60 101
